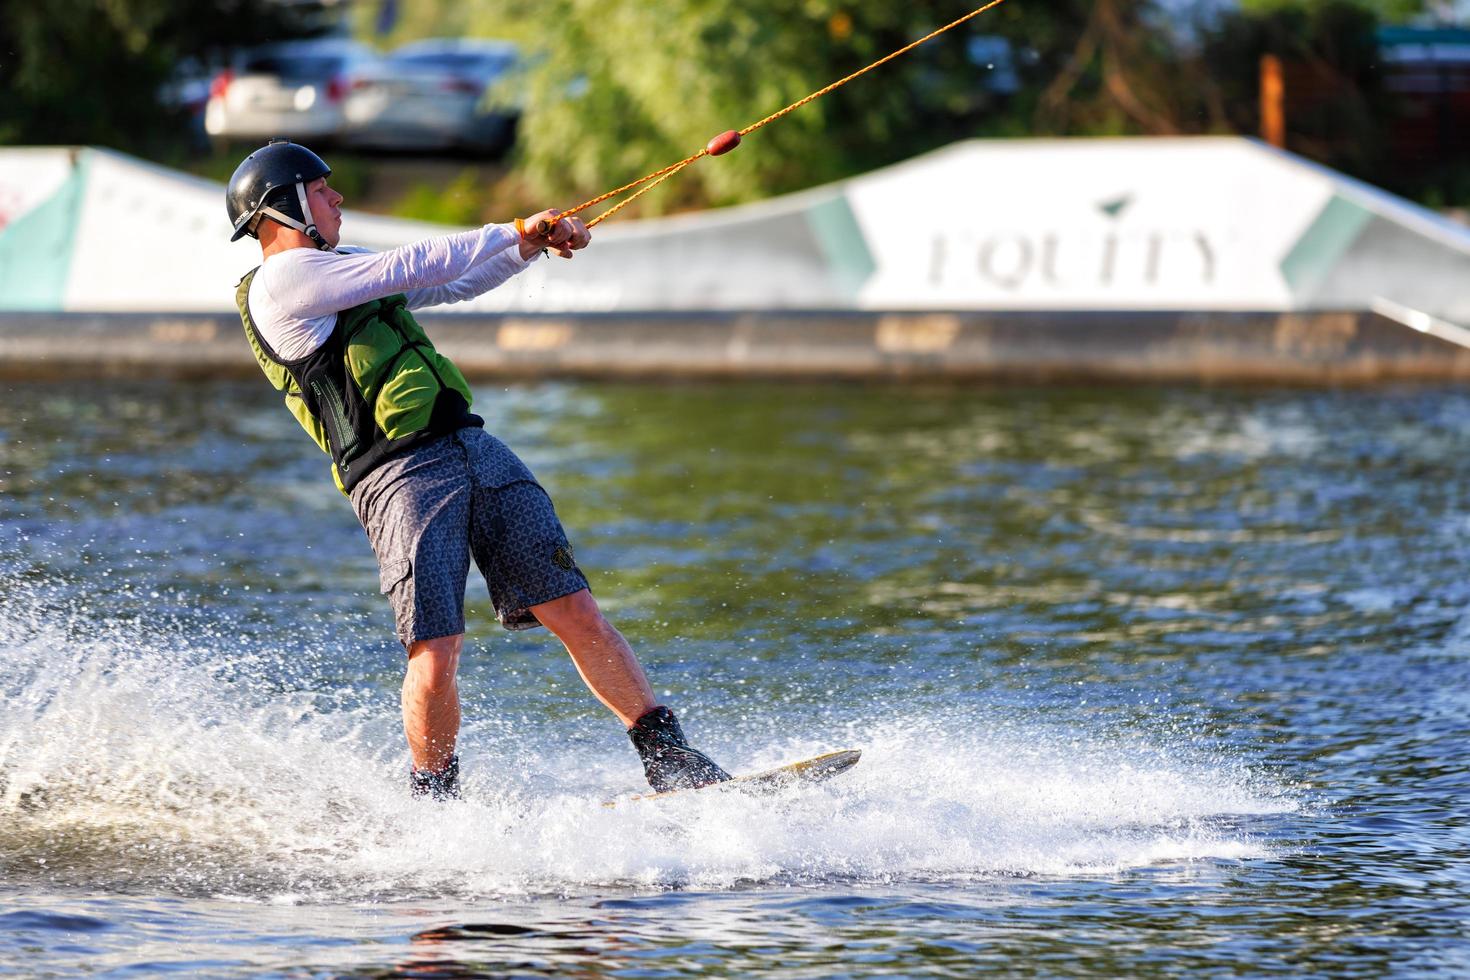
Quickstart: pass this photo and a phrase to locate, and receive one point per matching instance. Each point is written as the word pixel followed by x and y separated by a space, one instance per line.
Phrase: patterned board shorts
pixel 428 510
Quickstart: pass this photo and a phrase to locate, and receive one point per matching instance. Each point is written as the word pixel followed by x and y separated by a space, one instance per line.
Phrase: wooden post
pixel 1273 101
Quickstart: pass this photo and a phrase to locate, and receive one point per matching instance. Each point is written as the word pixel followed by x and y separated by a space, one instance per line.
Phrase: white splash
pixel 126 761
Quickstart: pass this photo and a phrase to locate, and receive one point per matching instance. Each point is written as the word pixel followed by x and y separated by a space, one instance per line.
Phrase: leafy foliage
pixel 1389 10
pixel 618 88
pixel 89 71
pixel 613 89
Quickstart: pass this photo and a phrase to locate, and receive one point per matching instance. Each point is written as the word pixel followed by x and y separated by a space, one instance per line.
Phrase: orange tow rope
pixel 727 141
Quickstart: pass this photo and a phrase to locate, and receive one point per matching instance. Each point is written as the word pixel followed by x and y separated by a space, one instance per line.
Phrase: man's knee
pixel 434 662
pixel 573 615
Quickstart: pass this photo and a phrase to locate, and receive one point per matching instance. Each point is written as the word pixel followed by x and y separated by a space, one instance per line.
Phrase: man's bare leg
pixel 431 701
pixel 603 657
pixel 610 669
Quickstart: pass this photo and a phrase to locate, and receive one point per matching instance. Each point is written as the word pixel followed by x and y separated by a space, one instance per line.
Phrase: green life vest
pixel 374 388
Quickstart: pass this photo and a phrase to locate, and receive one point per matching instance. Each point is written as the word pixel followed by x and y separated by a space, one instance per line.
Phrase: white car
pixel 294 89
pixel 437 94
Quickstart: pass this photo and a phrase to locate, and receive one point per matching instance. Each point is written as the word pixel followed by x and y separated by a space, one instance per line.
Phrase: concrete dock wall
pixel 1316 348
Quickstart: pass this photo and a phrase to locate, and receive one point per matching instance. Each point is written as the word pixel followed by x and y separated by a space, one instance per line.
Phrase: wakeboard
pixel 814 770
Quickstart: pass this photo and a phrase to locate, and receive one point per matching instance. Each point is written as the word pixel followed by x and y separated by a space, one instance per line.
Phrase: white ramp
pixel 1194 225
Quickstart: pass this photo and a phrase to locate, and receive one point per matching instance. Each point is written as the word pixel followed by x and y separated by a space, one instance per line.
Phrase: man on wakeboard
pixel 331 328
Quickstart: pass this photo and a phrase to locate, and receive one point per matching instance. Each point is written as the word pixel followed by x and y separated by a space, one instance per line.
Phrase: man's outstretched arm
pixel 566 235
pixel 315 284
pixel 483 278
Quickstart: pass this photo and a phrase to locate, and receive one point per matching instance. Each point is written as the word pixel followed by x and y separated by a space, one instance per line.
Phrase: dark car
pixel 438 94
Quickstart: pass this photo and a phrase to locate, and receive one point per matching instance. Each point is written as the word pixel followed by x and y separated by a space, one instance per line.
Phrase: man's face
pixel 325 212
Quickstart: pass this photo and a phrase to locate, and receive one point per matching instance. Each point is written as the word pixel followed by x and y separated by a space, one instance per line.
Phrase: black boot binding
pixel 441 785
pixel 668 761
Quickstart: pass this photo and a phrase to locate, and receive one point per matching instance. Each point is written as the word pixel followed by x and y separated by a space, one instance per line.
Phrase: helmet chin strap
pixel 309 230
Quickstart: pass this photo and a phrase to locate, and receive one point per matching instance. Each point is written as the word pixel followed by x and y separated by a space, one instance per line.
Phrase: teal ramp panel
pixel 836 230
pixel 36 248
pixel 1322 246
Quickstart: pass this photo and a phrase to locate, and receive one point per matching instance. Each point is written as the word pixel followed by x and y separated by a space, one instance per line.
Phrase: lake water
pixel 1147 681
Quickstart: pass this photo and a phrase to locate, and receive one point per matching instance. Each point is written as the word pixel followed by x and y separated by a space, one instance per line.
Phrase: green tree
pixel 618 88
pixel 614 89
pixel 1390 11
pixel 89 71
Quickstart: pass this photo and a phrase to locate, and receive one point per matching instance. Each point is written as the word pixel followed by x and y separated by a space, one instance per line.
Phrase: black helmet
pixel 271 182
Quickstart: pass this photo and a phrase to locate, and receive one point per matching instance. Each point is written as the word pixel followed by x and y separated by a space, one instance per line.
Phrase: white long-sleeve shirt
pixel 297 294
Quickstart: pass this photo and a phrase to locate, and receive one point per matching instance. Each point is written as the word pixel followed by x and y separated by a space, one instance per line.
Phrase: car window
pixel 454 61
pixel 295 68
